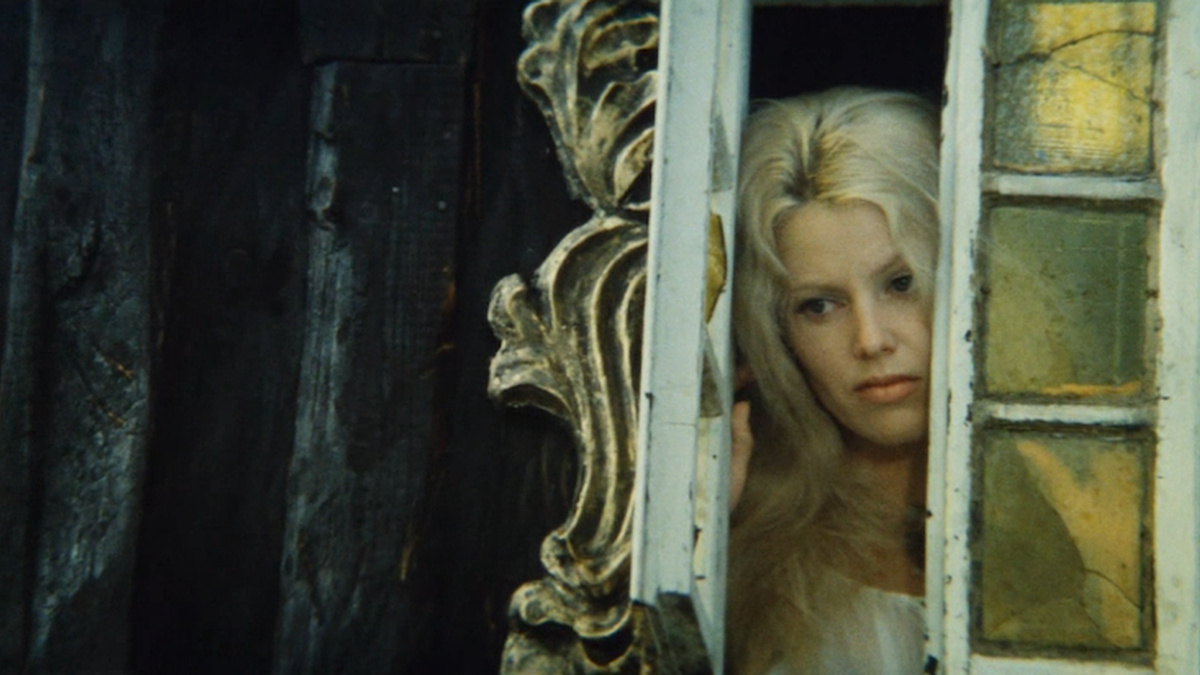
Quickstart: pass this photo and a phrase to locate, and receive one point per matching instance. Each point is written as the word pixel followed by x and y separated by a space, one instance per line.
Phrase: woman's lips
pixel 889 389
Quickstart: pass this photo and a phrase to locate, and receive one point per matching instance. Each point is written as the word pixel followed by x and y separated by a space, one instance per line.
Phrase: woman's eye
pixel 814 307
pixel 902 283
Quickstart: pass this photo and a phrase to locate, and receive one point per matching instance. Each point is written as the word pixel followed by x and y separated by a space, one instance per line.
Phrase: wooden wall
pixel 245 254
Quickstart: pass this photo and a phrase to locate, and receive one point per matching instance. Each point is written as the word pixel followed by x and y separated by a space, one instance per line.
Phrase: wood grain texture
pixel 14 469
pixel 410 31
pixel 14 69
pixel 77 357
pixel 502 479
pixel 383 206
pixel 230 253
pixel 160 256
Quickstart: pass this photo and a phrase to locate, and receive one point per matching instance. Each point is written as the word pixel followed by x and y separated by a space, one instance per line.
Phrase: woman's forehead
pixel 822 234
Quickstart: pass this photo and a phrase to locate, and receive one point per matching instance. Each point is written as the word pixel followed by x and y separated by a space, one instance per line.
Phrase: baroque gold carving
pixel 570 346
pixel 590 68
pixel 571 340
pixel 571 343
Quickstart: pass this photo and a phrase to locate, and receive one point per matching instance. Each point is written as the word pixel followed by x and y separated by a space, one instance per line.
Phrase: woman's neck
pixel 899 475
pixel 900 472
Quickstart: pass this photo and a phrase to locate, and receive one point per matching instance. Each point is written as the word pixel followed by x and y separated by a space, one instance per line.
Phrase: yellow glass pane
pixel 1072 85
pixel 1065 296
pixel 1060 550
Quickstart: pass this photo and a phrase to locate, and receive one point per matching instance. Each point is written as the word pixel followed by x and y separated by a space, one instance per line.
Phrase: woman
pixel 836 247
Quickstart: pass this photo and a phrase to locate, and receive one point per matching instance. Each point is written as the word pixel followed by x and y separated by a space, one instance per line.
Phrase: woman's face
pixel 857 322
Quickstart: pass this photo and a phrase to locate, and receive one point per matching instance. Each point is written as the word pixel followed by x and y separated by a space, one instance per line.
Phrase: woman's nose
pixel 873 335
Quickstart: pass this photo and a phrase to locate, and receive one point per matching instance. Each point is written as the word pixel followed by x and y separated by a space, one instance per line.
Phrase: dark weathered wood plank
pixel 14 67
pixel 420 31
pixel 14 472
pixel 230 162
pixel 504 478
pixel 384 202
pixel 78 356
pixel 15 367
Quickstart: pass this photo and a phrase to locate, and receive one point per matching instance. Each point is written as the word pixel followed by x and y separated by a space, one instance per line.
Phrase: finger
pixel 742 447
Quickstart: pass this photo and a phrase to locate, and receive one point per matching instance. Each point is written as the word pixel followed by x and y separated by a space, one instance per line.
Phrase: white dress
pixel 884 636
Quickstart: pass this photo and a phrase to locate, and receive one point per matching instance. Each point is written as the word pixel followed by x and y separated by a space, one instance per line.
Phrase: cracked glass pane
pixel 1065 302
pixel 1071 86
pixel 1060 552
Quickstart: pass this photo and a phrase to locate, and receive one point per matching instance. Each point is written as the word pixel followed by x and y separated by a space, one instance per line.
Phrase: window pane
pixel 1065 302
pixel 1061 543
pixel 1072 85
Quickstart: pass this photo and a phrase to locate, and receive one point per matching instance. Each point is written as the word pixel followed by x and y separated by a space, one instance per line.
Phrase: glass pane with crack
pixel 1060 553
pixel 1065 295
pixel 1071 86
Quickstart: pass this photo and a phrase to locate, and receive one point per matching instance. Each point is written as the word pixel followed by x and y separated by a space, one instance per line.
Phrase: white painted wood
pixel 1176 511
pixel 1177 414
pixel 682 481
pixel 1073 414
pixel 1079 187
pixel 662 557
pixel 674 335
pixel 990 665
pixel 948 554
pixel 848 3
pixel 712 528
pixel 712 494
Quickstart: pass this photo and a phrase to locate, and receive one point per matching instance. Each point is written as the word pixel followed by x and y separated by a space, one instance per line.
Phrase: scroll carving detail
pixel 571 338
pixel 571 347
pixel 590 68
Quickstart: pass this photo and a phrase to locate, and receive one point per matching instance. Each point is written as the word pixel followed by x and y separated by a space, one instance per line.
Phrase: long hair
pixel 805 520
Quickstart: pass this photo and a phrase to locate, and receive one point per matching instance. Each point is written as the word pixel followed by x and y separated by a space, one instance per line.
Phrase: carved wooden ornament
pixel 571 340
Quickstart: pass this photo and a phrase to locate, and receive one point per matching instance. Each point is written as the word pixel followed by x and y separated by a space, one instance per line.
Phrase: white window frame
pixel 681 492
pixel 680 489
pixel 1176 603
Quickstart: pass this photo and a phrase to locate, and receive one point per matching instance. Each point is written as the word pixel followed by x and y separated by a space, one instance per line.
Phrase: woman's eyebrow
pixel 894 263
pixel 805 286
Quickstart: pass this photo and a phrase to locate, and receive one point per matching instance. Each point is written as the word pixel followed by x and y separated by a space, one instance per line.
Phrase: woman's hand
pixel 743 444
pixel 743 439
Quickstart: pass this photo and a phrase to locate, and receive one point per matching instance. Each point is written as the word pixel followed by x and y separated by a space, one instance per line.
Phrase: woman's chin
pixel 893 436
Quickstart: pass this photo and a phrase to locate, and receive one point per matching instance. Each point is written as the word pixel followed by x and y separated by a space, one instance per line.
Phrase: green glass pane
pixel 1060 551
pixel 1065 302
pixel 1072 85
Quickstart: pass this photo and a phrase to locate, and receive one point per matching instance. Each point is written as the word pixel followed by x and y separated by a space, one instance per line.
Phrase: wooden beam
pixel 383 206
pixel 76 372
pixel 230 123
pixel 414 31
pixel 14 411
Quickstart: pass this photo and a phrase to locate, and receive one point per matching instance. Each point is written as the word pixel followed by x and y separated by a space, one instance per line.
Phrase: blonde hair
pixel 805 521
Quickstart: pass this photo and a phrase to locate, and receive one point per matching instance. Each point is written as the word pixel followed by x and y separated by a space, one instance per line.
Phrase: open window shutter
pixel 1063 465
pixel 682 487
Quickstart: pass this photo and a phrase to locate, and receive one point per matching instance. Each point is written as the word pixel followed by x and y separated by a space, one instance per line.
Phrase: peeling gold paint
pixel 1061 545
pixel 1088 390
pixel 1102 513
pixel 1073 86
pixel 1065 302
pixel 717 265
